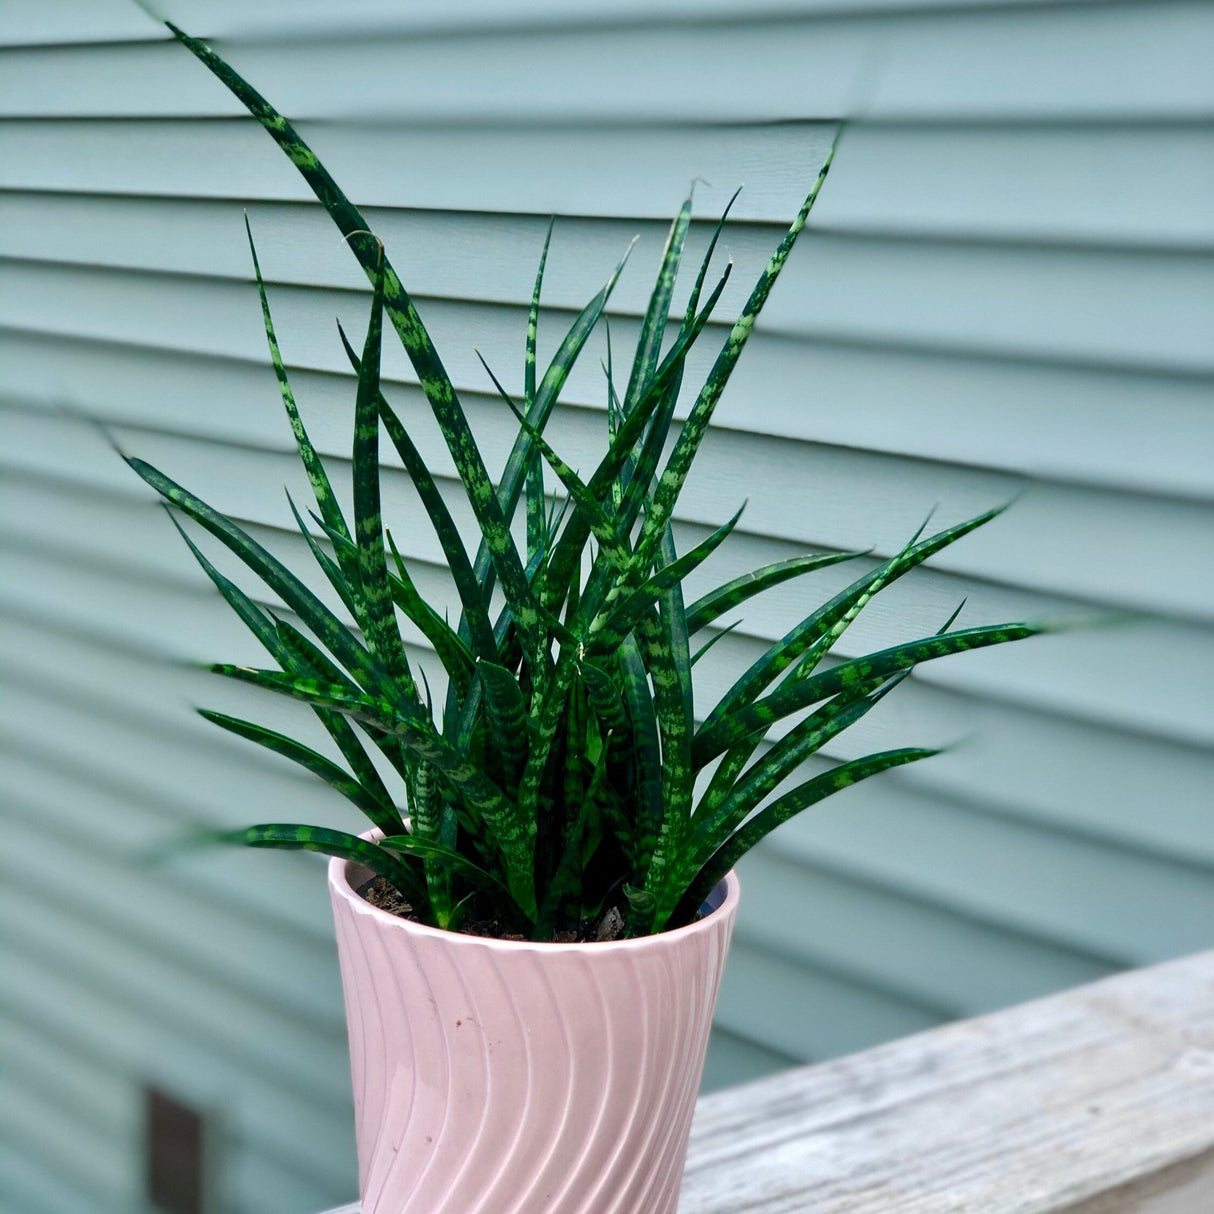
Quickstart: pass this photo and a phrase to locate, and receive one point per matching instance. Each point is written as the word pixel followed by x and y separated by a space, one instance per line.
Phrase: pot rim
pixel 727 895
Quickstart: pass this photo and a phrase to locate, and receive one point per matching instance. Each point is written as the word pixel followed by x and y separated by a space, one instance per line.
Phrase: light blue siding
pixel 1005 292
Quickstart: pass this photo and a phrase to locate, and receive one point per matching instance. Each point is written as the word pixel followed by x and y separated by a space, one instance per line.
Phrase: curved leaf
pixel 385 816
pixel 477 791
pixel 337 843
pixel 692 434
pixel 795 694
pixel 715 603
pixel 778 812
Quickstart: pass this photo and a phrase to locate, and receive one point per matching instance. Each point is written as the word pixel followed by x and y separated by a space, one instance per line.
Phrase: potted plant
pixel 533 930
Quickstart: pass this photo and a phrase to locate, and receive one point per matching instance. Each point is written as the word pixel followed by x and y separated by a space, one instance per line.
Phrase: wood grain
pixel 1096 1101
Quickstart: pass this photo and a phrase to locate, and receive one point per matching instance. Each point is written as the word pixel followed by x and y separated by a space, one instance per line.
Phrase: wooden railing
pixel 1099 1100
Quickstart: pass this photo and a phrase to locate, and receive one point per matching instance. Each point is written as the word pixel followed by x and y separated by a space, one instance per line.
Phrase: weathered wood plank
pixel 1096 1101
pixel 1100 1093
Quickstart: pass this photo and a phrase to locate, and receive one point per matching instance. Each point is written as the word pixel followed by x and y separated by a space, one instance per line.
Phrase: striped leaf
pixel 402 877
pixel 653 327
pixel 607 630
pixel 379 617
pixel 349 593
pixel 305 658
pixel 507 715
pixel 434 853
pixel 804 740
pixel 671 482
pixel 647 412
pixel 475 789
pixel 547 709
pixel 534 476
pixel 776 814
pixel 818 631
pixel 712 640
pixel 613 546
pixel 567 884
pixel 522 454
pixel 431 820
pixel 454 654
pixel 269 632
pixel 309 660
pixel 794 694
pixel 467 585
pixel 647 751
pixel 322 490
pixel 670 669
pixel 384 816
pixel 689 330
pixel 606 701
pixel 327 627
pixel 415 339
pixel 734 593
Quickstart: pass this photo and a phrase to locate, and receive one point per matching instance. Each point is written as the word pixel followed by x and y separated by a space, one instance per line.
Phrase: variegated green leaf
pixel 435 853
pixel 653 410
pixel 454 654
pixel 818 631
pixel 322 490
pixel 507 715
pixel 670 483
pixel 307 659
pixel 522 454
pixel 689 330
pixel 431 820
pixel 608 629
pixel 384 816
pixel 805 739
pixel 777 813
pixel 794 694
pixel 432 375
pixel 669 668
pixel 327 627
pixel 403 877
pixel 379 617
pixel 269 632
pixel 653 327
pixel 534 477
pixel 647 751
pixel 567 884
pixel 476 790
pixel 349 592
pixel 734 593
pixel 614 548
pixel 467 585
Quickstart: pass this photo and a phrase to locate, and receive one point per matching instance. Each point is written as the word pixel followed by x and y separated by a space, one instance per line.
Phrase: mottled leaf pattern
pixel 716 603
pixel 322 490
pixel 783 808
pixel 337 843
pixel 562 778
pixel 379 814
pixel 795 694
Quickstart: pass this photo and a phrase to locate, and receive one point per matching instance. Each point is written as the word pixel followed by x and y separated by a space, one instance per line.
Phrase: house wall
pixel 1005 292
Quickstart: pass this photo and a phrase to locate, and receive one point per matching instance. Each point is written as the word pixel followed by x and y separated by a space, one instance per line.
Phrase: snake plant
pixel 563 778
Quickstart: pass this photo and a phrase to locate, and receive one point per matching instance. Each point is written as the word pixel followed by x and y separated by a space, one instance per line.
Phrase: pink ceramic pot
pixel 499 1077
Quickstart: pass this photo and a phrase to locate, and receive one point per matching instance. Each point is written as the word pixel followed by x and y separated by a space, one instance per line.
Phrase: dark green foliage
pixel 559 780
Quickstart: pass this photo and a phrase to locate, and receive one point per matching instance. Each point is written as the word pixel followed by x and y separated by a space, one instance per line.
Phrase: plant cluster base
pixel 384 896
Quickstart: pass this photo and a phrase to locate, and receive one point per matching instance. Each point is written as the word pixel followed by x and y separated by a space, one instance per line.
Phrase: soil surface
pixel 609 926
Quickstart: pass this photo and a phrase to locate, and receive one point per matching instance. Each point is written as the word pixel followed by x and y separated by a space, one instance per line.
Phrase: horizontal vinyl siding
pixel 1005 292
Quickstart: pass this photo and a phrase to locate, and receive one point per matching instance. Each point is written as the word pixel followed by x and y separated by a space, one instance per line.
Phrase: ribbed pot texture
pixel 500 1077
